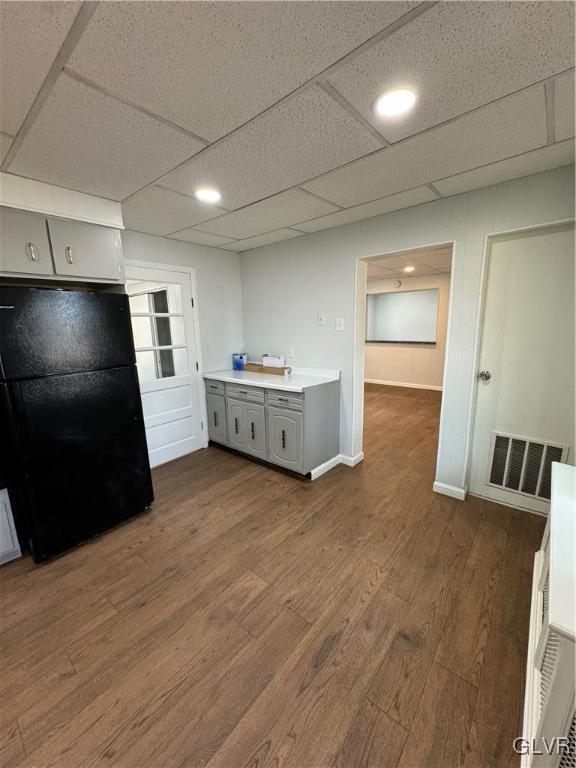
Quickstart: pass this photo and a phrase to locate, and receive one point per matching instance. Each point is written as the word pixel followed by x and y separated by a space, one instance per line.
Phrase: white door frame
pixel 360 339
pixel 191 272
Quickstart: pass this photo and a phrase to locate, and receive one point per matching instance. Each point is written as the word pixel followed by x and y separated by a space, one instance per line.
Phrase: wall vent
pixel 523 465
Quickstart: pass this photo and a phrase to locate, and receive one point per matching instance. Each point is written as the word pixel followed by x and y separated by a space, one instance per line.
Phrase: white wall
pixel 286 284
pixel 219 290
pixel 410 364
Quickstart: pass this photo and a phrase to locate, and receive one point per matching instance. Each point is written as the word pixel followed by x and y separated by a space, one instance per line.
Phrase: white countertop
pixel 299 380
pixel 562 613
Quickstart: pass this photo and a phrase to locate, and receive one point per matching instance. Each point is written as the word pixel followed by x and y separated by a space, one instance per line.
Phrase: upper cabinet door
pixel 86 250
pixel 24 245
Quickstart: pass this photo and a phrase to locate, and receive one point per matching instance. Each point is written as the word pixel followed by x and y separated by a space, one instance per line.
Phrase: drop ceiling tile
pixel 508 127
pixel 5 144
pixel 368 210
pixel 158 211
pixel 459 56
pixel 273 213
pixel 304 136
pixel 200 238
pixel 231 60
pixel 564 106
pixel 543 159
pixel 31 35
pixel 260 240
pixel 87 141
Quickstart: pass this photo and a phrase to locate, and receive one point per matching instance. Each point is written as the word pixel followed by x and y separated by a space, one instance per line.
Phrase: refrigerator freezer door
pixel 84 456
pixel 46 331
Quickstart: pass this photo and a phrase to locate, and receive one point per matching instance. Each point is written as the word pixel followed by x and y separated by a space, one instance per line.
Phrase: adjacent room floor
pixel 252 619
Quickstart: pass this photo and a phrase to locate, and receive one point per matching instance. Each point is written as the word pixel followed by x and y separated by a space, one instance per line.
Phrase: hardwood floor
pixel 253 619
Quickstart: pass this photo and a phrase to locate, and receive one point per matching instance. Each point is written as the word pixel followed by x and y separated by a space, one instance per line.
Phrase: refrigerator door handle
pixel 68 252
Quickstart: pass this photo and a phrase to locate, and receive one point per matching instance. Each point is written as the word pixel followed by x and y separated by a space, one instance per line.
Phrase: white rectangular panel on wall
pixel 407 316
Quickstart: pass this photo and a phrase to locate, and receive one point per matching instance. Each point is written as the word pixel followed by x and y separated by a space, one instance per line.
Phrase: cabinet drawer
pixel 279 399
pixel 24 245
pixel 214 387
pixel 249 394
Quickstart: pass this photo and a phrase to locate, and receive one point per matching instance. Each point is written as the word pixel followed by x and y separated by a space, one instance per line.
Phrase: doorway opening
pixel 406 321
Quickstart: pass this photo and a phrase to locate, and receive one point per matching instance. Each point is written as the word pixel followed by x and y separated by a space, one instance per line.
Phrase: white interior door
pixel 165 337
pixel 524 416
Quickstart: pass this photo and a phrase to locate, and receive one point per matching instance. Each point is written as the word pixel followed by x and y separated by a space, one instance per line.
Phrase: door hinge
pixel 202 426
pixel 197 367
pixel 192 301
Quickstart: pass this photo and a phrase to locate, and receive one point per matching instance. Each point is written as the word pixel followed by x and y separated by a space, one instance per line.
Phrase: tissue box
pixel 274 361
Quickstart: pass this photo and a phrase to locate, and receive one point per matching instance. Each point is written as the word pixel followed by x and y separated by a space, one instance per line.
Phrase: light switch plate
pixel 291 352
pixel 339 323
pixel 321 318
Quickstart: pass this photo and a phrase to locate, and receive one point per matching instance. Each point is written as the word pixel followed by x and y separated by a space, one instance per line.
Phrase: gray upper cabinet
pixel 216 407
pixel 24 245
pixel 86 251
pixel 285 438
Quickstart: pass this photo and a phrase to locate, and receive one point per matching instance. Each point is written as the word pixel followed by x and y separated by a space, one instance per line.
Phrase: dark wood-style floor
pixel 252 619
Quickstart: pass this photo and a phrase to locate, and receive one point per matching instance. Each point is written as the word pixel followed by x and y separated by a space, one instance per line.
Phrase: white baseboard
pixel 351 461
pixel 340 458
pixel 450 490
pixel 403 384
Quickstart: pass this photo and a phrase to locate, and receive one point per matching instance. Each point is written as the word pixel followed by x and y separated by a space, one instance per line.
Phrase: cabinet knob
pixel 68 253
pixel 32 251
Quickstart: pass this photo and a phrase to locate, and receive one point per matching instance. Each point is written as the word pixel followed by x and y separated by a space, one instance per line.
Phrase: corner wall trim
pixel 403 384
pixel 450 490
pixel 349 461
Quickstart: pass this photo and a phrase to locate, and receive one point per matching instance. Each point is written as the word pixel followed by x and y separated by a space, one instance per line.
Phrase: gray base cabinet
pixel 296 430
pixel 285 438
pixel 216 407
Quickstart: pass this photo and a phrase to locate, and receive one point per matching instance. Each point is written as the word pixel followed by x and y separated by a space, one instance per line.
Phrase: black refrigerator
pixel 73 448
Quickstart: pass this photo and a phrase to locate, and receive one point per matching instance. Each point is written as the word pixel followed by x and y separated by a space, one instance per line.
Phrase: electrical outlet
pixel 291 352
pixel 321 318
pixel 339 323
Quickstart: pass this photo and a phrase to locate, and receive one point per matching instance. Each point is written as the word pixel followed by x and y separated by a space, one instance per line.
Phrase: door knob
pixel 484 375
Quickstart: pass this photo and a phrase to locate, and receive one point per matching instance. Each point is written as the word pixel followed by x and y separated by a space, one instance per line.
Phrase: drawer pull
pixel 68 252
pixel 236 424
pixel 32 251
pixel 242 392
pixel 284 439
pixel 253 430
pixel 213 386
pixel 283 400
pixel 215 419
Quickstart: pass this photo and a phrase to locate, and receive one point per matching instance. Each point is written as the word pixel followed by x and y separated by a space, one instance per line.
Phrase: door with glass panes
pixel 166 356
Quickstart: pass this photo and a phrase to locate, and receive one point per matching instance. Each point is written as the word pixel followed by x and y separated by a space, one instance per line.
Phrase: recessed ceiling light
pixel 395 102
pixel 207 195
pixel 409 269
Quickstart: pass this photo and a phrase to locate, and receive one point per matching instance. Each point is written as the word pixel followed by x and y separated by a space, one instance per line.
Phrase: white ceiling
pixel 426 261
pixel 271 102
